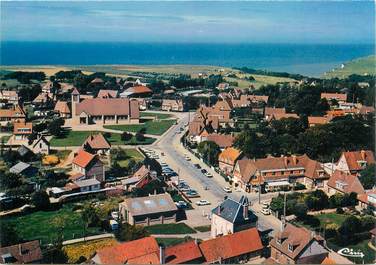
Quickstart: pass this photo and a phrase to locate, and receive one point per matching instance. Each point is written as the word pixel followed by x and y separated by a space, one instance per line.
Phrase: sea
pixel 306 59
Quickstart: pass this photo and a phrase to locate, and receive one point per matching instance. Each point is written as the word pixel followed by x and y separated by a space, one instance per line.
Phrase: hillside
pixel 360 66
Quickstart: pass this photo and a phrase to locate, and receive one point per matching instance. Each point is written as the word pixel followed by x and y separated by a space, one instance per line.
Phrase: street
pixel 210 189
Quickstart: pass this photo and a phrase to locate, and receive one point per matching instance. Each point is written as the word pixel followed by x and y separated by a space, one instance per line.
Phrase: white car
pixel 227 189
pixel 187 158
pixel 265 211
pixel 209 175
pixel 202 203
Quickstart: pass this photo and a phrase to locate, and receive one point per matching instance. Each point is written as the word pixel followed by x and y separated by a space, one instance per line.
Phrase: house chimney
pixel 20 248
pixel 285 160
pixel 363 154
pixel 294 160
pixel 162 255
pixel 245 209
pixel 219 210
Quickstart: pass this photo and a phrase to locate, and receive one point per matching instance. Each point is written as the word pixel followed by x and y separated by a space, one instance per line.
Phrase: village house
pixel 83 185
pixel 22 130
pixel 138 91
pixel 42 100
pixel 355 161
pixel 222 140
pixel 172 105
pixel 106 93
pixel 367 200
pixel 240 247
pixel 47 87
pixel 10 96
pixel 277 172
pixel 150 210
pixel 104 110
pixel 223 86
pixel 271 111
pixel 314 121
pixel 23 253
pixel 40 146
pixel 344 182
pixel 14 114
pixel 86 166
pixel 140 251
pixel 143 104
pixel 183 253
pixel 227 159
pixel 280 116
pixel 62 108
pixel 339 97
pixel 297 245
pixel 232 216
pixel 97 144
pixel 139 179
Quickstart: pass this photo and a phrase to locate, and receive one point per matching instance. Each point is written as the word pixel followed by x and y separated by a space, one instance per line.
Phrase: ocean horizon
pixel 306 59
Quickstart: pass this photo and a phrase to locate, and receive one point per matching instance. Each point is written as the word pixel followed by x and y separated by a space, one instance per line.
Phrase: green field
pixel 77 138
pixel 331 218
pixel 203 228
pixel 44 224
pixel 131 153
pixel 360 66
pixel 151 127
pixel 170 229
pixel 159 116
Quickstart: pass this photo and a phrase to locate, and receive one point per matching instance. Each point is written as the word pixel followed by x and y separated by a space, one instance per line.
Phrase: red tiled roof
pixel 139 90
pixel 108 106
pixel 183 253
pixel 222 140
pixel 233 245
pixel 62 107
pixel 269 111
pixel 350 183
pixel 337 96
pixel 328 261
pixel 27 252
pixel 364 197
pixel 353 157
pixel 141 251
pixel 83 158
pixel 229 154
pixel 106 93
pixel 317 120
pixel 97 141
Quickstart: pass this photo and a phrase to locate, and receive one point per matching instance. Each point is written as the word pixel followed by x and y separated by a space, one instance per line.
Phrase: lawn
pixel 150 127
pixel 169 229
pixel 77 138
pixel 159 116
pixel 61 154
pixel 42 225
pixel 203 228
pixel 328 218
pixel 130 153
pixel 86 249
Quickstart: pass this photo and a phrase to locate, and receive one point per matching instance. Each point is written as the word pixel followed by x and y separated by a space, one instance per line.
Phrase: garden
pixel 147 127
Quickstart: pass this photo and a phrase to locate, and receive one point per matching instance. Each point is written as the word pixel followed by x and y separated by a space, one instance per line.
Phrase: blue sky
pixel 221 22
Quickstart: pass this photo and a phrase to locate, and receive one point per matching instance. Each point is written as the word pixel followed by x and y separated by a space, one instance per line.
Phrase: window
pixel 291 248
pixel 279 242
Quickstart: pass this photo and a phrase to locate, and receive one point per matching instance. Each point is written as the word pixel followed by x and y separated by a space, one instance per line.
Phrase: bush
pixel 313 221
pixel 339 210
pixel 331 230
pixel 41 200
pixel 126 136
pixel 140 137
pixel 299 186
pixel 50 160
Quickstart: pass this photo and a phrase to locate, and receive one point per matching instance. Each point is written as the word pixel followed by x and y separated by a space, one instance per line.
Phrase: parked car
pixel 209 175
pixel 181 204
pixel 202 203
pixel 265 211
pixel 192 194
pixel 197 166
pixel 187 158
pixel 203 171
pixel 227 189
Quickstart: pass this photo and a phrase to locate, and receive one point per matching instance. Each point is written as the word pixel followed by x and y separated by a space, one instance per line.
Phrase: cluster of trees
pixel 25 77
pixel 291 136
pixel 209 151
pixel 184 81
pixel 270 73
pixel 300 203
pixel 367 177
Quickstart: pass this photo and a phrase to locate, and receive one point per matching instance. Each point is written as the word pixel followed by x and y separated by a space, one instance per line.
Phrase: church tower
pixel 75 100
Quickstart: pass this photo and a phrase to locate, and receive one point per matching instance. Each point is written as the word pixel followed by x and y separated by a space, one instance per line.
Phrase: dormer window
pixel 279 241
pixel 291 247
pixel 362 163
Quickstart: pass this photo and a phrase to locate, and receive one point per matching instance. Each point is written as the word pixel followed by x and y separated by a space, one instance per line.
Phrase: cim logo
pixel 349 252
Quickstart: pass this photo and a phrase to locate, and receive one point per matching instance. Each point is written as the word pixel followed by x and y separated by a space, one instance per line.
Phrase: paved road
pixel 174 152
pixel 88 238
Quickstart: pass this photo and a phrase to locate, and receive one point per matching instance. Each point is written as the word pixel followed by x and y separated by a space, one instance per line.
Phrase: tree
pixel 316 200
pixel 126 136
pixel 54 127
pixel 209 151
pixel 300 211
pixel 8 235
pixel 41 200
pixel 350 226
pixel 140 137
pixel 127 232
pixel 367 177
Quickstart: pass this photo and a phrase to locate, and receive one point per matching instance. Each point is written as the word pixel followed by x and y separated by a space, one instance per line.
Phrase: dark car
pixel 203 171
pixel 197 166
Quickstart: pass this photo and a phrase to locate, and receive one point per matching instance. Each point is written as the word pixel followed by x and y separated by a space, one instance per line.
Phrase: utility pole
pixel 284 209
pixel 259 190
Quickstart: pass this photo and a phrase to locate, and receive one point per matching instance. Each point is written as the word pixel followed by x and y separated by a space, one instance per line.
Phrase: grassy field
pixel 260 80
pixel 131 153
pixel 159 116
pixel 360 66
pixel 86 249
pixel 203 228
pixel 77 138
pixel 169 229
pixel 44 224
pixel 151 127
pixel 332 218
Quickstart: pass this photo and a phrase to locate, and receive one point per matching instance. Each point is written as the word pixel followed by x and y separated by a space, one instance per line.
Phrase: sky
pixel 189 21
